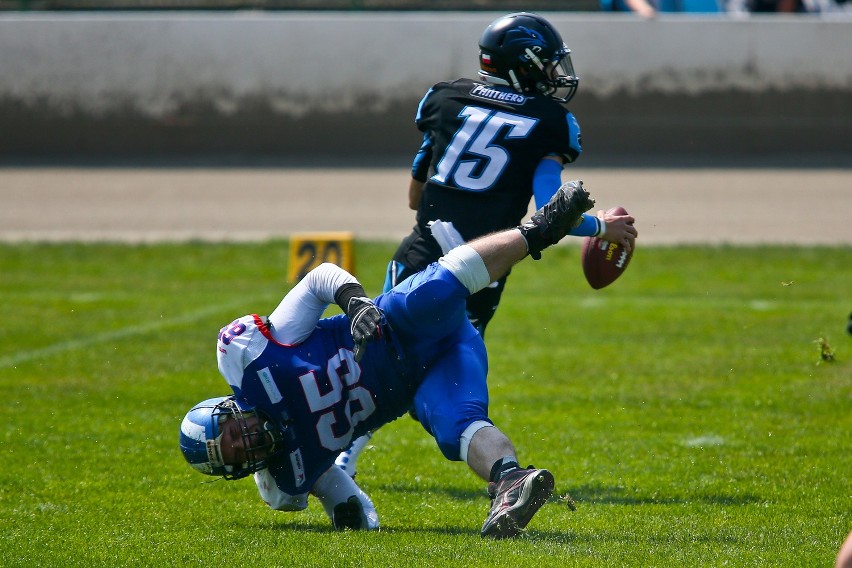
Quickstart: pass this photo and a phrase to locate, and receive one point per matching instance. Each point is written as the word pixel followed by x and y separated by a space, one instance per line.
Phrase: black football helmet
pixel 525 51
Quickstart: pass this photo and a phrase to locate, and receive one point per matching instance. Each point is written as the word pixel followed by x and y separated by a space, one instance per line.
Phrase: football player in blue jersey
pixel 489 147
pixel 305 386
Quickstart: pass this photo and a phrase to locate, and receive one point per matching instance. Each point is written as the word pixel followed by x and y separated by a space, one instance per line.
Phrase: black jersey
pixel 482 144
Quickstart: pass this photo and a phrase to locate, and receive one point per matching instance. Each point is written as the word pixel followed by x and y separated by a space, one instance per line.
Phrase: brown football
pixel 603 261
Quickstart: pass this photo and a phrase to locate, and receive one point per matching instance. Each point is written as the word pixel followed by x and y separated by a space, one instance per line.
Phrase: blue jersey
pixel 323 399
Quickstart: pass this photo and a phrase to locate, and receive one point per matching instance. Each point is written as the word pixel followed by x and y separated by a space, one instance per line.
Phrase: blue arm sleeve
pixel 590 227
pixel 546 180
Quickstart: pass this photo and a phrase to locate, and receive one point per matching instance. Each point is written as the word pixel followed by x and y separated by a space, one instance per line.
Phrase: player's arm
pixel 609 227
pixel 548 174
pixel 415 192
pixel 344 502
pixel 546 181
pixel 419 172
pixel 641 7
pixel 274 497
pixel 298 313
pixel 613 228
pixel 365 319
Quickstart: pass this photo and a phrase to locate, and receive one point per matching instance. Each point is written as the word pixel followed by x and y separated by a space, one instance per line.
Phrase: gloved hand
pixel 348 515
pixel 365 321
pixel 344 502
pixel 562 213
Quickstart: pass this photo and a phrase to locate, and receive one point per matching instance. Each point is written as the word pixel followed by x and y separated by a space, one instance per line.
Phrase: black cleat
pixel 515 498
pixel 562 213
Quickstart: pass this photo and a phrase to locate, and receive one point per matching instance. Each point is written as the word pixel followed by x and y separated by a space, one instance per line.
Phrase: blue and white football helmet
pixel 201 437
pixel 524 51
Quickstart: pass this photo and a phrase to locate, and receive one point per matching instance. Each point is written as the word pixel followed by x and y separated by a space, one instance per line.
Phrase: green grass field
pixel 687 408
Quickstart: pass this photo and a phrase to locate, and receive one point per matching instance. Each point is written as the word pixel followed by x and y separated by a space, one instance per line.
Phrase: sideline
pixel 672 206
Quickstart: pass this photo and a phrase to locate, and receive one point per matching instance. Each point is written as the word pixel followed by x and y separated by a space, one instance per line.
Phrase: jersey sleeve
pixel 424 121
pixel 420 166
pixel 575 141
pixel 273 496
pixel 298 313
pixel 421 114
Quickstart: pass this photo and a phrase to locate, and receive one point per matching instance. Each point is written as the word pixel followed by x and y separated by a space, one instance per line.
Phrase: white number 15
pixel 476 136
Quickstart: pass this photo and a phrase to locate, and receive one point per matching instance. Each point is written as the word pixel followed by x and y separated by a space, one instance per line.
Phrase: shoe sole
pixel 535 493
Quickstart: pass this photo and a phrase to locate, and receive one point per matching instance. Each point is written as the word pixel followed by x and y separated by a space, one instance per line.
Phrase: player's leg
pixel 413 254
pixel 498 252
pixel 516 493
pixel 452 403
pixel 454 393
pixel 396 273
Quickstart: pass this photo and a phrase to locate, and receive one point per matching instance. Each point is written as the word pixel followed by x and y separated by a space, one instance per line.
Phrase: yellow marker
pixel 309 250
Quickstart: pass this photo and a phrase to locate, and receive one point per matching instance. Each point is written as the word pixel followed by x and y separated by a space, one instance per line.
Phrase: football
pixel 603 261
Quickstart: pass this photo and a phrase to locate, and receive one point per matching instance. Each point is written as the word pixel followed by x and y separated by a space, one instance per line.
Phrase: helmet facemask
pixel 559 82
pixel 204 427
pixel 258 442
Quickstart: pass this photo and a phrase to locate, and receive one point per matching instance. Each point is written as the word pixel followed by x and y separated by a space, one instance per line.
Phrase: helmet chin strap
pixel 515 83
pixel 214 451
pixel 274 433
pixel 491 79
pixel 534 58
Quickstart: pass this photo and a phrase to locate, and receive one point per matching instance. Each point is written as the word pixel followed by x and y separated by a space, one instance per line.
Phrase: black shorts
pixel 416 252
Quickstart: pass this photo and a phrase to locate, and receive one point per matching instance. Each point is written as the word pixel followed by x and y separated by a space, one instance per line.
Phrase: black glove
pixel 365 319
pixel 557 217
pixel 348 515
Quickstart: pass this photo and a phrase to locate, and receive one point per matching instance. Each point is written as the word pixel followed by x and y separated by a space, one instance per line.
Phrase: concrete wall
pixel 291 84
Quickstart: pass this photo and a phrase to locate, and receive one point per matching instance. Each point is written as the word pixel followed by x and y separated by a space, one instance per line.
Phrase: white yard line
pixel 23 356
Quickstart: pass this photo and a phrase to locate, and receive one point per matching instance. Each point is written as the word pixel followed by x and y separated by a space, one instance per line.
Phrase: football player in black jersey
pixel 489 146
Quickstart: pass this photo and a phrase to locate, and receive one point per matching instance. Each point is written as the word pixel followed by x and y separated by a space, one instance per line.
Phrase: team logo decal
pixel 298 467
